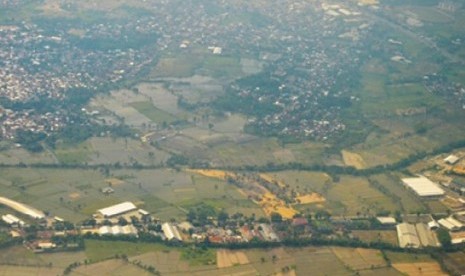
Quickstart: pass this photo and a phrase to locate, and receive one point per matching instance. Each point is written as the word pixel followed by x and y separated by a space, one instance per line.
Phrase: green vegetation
pixel 198 255
pixel 100 250
pixel 154 114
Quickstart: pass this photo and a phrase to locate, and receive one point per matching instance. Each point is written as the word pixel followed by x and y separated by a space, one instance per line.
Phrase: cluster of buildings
pixel 39 65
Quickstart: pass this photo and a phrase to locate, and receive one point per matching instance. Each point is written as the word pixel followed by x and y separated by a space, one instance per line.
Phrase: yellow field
pixel 310 198
pixel 271 204
pixel 420 269
pixel 213 173
pixel 353 159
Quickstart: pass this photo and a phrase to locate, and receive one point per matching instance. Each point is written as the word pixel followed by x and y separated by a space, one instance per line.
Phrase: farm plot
pixel 160 97
pixel 360 258
pixel 156 115
pixel 110 267
pixel 318 261
pixel 421 268
pixel 20 155
pixel 29 270
pixel 118 102
pixel 353 159
pixel 455 262
pixel 406 201
pixel 228 258
pixel 358 197
pixel 124 151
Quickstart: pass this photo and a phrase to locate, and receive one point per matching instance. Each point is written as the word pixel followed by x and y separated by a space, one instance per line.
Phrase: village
pixel 45 232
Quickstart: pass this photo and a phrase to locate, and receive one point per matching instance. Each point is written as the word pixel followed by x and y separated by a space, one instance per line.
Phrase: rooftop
pixel 422 186
pixel 117 209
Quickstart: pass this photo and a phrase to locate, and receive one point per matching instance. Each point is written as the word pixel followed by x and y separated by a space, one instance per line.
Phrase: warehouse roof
pixel 117 209
pixel 22 208
pixel 451 159
pixel 422 186
pixel 407 235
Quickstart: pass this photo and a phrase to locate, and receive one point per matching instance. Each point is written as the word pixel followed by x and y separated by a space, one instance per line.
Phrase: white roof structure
pixel 386 220
pixel 450 224
pixel 117 209
pixel 10 219
pixel 118 230
pixel 170 231
pixel 423 187
pixel 451 159
pixel 433 224
pixel 407 235
pixel 22 208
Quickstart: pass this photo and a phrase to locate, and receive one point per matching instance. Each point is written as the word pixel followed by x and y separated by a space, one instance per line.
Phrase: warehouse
pixel 12 220
pixel 407 235
pixel 22 208
pixel 116 230
pixel 171 232
pixel 117 210
pixel 451 224
pixel 423 187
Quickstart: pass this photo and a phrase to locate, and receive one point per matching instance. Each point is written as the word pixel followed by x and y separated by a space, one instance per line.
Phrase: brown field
pixel 228 258
pixel 420 269
pixel 353 159
pixel 389 236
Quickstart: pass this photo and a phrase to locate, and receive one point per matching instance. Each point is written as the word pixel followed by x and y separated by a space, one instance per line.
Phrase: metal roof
pixel 117 209
pixel 422 186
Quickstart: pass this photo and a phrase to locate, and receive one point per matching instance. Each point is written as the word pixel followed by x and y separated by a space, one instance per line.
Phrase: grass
pixel 74 154
pixel 100 250
pixel 199 256
pixel 154 114
pixel 398 257
pixel 357 197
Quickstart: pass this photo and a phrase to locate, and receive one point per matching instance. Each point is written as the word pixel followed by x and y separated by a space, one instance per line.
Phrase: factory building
pixel 423 187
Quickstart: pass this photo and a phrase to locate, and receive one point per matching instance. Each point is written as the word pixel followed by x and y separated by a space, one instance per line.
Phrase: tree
pixel 276 217
pixel 444 237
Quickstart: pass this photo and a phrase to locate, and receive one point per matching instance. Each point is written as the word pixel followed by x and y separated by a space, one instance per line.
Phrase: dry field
pixel 228 258
pixel 353 159
pixel 419 269
pixel 110 267
pixel 359 259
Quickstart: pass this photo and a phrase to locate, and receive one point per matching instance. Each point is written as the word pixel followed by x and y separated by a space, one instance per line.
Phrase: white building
pixel 386 220
pixel 116 230
pixel 423 187
pixel 451 159
pixel 170 231
pixel 12 220
pixel 407 235
pixel 451 224
pixel 117 209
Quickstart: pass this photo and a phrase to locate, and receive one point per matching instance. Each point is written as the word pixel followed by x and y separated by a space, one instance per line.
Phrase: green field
pixel 154 114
